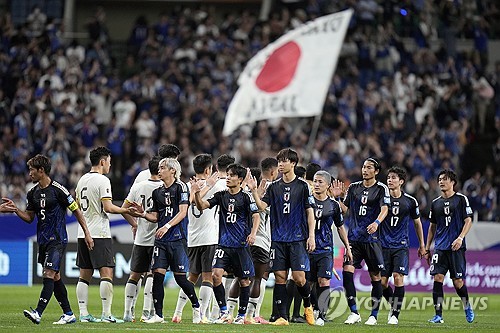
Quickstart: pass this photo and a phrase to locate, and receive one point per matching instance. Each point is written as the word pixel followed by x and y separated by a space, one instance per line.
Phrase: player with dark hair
pixel 395 240
pixel 238 223
pixel 311 169
pixel 169 209
pixel 48 201
pixel 451 220
pixel 164 151
pixel 142 251
pixel 203 235
pixel 327 213
pixel 292 231
pixel 367 202
pixel 93 192
pixel 300 171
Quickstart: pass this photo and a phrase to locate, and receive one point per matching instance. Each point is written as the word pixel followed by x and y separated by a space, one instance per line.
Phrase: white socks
pixel 261 297
pixel 82 294
pixel 106 292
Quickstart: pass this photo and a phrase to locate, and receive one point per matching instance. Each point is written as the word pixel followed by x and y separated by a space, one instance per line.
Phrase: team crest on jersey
pixel 395 210
pixel 364 199
pixel 286 196
pixel 447 210
pixel 230 208
pixel 167 199
pixel 319 213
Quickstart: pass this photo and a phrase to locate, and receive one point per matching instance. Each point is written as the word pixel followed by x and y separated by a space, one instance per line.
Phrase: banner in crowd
pixel 483 274
pixel 291 76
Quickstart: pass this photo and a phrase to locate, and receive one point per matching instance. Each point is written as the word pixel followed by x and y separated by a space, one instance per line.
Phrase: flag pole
pixel 312 138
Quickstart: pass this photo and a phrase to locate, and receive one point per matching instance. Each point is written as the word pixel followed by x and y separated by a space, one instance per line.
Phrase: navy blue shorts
pixel 289 255
pixel 396 261
pixel 321 266
pixel 171 254
pixel 448 260
pixel 50 255
pixel 237 260
pixel 371 253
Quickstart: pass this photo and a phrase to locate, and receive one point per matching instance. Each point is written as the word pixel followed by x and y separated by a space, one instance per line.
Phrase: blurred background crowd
pixel 405 91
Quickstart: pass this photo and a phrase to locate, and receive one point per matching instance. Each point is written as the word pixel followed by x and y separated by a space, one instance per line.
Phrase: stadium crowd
pixel 418 108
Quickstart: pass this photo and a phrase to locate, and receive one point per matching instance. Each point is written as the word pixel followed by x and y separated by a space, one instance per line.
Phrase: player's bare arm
pixel 255 227
pixel 252 185
pixel 81 221
pixel 457 243
pixel 26 216
pixel 373 227
pixel 420 234
pixel 201 204
pixel 311 223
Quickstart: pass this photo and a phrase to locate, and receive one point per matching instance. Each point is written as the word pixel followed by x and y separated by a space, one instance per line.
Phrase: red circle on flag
pixel 279 69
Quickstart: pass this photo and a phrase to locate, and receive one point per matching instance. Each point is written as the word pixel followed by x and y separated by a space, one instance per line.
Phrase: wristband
pixel 377 221
pixel 168 226
pixel 460 238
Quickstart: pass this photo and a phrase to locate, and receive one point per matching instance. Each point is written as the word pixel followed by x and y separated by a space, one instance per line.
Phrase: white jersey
pixel 142 176
pixel 90 190
pixel 203 228
pixel 263 237
pixel 142 193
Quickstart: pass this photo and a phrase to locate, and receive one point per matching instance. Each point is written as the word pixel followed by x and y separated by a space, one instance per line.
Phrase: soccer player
pixel 450 218
pixel 261 249
pixel 48 201
pixel 170 205
pixel 164 151
pixel 238 223
pixel 327 213
pixel 368 202
pixel 94 195
pixel 144 238
pixel 395 240
pixel 292 231
pixel 202 237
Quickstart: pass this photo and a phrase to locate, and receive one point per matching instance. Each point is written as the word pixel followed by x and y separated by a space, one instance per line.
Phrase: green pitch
pixel 14 299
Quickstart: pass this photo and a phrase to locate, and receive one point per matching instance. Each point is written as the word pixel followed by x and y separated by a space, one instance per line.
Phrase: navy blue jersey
pixel 449 215
pixel 166 202
pixel 49 205
pixel 364 205
pixel 326 213
pixel 288 203
pixel 394 229
pixel 235 217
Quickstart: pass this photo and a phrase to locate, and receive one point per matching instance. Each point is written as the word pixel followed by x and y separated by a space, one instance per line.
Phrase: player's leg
pixel 279 264
pixel 232 295
pixel 438 269
pixel 104 261
pixel 375 261
pixel 222 261
pixel 206 289
pixel 48 285
pixel 61 294
pixel 348 282
pixel 243 268
pixel 131 290
pixel 299 261
pixel 400 267
pixel 323 268
pixel 179 264
pixel 387 291
pixel 148 309
pixel 263 282
pixel 260 259
pixel 84 262
pixel 457 272
pixel 159 268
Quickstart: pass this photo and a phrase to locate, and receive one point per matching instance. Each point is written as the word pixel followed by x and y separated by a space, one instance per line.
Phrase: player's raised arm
pixel 201 204
pixel 252 185
pixel 9 206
